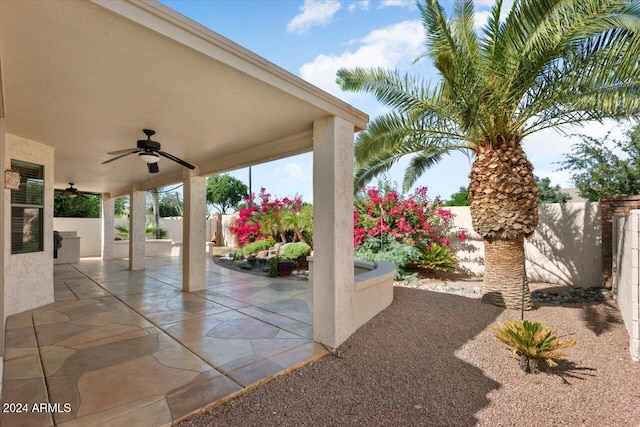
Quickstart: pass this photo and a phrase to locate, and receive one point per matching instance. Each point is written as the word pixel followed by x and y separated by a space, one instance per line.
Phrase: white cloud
pixel 485 3
pixel 292 171
pixel 391 47
pixel 480 19
pixel 554 144
pixel 359 5
pixel 398 3
pixel 312 13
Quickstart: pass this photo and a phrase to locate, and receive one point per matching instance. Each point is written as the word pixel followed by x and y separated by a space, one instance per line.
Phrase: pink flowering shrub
pixel 414 220
pixel 404 230
pixel 283 219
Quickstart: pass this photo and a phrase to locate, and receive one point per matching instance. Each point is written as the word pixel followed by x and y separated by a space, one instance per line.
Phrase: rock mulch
pixel 548 294
pixel 258 267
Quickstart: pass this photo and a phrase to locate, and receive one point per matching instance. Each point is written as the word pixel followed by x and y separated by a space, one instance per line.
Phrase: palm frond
pixel 395 132
pixel 419 164
pixel 403 93
pixel 549 63
pixel 492 34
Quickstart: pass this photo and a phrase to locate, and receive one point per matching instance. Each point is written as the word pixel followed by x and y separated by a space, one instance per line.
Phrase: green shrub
pixel 530 342
pixel 387 249
pixel 122 231
pixel 273 266
pixel 295 250
pixel 258 245
pixel 438 258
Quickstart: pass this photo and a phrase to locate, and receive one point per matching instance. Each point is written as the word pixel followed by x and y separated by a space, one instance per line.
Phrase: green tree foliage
pixel 121 207
pixel 549 194
pixel 605 168
pixel 225 192
pixel 459 198
pixel 170 205
pixel 76 207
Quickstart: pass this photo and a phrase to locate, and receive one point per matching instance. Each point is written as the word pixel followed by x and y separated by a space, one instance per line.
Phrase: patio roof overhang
pixel 87 76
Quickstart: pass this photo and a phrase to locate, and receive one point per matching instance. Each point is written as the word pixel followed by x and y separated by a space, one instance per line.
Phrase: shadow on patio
pixel 124 347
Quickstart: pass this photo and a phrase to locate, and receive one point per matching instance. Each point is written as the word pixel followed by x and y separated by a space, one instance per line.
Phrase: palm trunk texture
pixel 504 274
pixel 504 209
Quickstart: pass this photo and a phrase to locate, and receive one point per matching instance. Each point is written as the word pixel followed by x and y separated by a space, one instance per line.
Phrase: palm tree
pixel 549 63
pixel 300 221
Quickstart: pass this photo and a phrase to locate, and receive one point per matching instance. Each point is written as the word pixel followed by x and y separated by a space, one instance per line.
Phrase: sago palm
pixel 531 342
pixel 548 63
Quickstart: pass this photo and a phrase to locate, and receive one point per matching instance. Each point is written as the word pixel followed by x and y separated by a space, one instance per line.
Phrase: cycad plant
pixel 531 342
pixel 299 221
pixel 548 63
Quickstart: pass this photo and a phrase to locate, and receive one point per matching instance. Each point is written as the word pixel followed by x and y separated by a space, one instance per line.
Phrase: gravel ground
pixel 430 359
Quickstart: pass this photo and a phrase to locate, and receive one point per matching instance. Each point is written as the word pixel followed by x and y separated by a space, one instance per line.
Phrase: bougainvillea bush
pixel 387 226
pixel 284 220
pixel 404 230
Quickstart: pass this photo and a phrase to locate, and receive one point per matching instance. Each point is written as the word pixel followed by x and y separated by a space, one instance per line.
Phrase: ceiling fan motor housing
pixel 148 145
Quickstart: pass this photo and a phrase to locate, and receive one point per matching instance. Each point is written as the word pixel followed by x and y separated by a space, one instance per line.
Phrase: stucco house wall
pixel 28 278
pixel 626 278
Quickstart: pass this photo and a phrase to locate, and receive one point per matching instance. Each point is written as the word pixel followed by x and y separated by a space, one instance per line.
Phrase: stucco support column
pixel 2 241
pixel 108 226
pixel 137 234
pixel 194 230
pixel 333 230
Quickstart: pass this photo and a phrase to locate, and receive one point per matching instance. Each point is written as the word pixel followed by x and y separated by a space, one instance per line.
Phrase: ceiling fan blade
pixel 126 150
pixel 177 160
pixel 121 156
pixel 153 167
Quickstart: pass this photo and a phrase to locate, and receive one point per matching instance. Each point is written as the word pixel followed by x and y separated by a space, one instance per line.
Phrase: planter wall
pixel 155 247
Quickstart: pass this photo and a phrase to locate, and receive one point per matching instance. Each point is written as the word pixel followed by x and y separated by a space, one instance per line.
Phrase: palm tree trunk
pixel 504 273
pixel 300 235
pixel 504 209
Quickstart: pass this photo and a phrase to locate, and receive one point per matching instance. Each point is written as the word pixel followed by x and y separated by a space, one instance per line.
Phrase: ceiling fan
pixel 71 192
pixel 148 151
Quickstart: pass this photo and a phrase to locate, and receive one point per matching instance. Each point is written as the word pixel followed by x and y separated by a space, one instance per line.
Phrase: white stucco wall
pixel 28 278
pixel 565 249
pixel 627 276
pixel 2 243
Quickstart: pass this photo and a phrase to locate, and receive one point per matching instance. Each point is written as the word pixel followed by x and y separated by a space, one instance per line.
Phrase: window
pixel 27 209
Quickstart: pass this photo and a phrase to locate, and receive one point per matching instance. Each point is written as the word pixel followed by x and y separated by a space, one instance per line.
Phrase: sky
pixel 314 38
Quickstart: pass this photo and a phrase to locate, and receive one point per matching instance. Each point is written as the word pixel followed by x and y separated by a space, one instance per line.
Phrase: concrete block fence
pixel 565 249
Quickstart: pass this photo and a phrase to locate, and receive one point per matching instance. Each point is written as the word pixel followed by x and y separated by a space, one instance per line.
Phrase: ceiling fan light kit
pixel 149 152
pixel 148 157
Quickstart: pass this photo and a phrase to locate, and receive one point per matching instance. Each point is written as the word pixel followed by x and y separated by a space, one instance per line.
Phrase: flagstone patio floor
pixel 125 348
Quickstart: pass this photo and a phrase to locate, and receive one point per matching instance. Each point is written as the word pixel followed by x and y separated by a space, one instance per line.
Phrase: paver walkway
pixel 122 347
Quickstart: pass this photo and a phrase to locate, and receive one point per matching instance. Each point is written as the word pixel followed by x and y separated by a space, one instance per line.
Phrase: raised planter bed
pixel 153 247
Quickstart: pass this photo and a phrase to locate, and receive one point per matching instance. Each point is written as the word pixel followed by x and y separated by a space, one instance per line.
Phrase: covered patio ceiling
pixel 87 76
